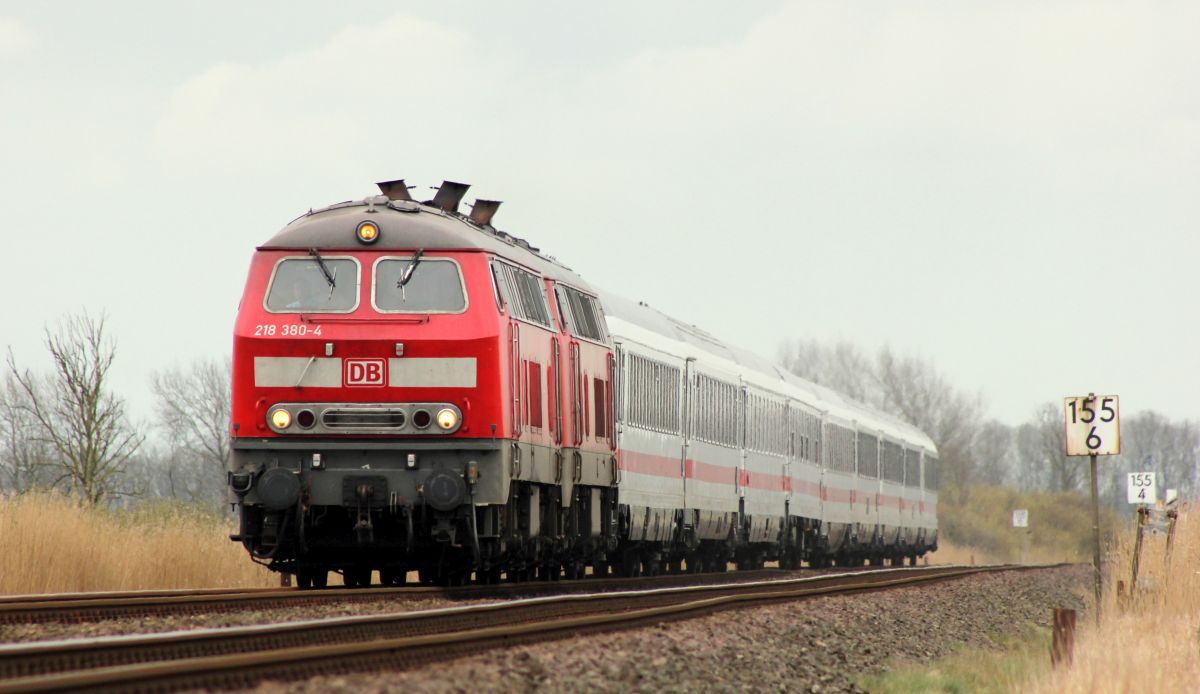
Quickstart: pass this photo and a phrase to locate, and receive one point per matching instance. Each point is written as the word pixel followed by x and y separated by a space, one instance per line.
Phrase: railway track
pixel 242 656
pixel 82 607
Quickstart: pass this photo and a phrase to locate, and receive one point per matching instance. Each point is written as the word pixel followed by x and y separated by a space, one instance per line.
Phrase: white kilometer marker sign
pixel 1141 488
pixel 1093 425
pixel 1094 429
pixel 1021 518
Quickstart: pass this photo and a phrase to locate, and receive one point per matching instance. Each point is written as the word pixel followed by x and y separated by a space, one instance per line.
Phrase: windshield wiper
pixel 329 277
pixel 408 271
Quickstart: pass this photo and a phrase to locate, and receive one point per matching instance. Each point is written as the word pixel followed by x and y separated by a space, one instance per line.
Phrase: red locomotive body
pixel 414 390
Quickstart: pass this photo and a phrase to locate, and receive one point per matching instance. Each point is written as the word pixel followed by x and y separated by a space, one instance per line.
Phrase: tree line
pixel 976 449
pixel 64 428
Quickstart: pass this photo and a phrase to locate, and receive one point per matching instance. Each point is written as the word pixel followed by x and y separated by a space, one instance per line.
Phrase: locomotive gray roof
pixel 408 226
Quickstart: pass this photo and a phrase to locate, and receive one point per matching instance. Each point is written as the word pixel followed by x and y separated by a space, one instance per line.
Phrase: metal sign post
pixel 1094 428
pixel 1021 524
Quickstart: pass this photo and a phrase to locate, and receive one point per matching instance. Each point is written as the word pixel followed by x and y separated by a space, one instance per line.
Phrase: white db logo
pixel 363 372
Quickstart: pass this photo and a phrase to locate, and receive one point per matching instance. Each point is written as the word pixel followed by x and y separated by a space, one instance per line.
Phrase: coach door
pixel 689 369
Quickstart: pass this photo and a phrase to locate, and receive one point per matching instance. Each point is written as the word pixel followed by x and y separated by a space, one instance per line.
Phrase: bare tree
pixel 841 366
pixel 994 452
pixel 194 407
pixel 910 388
pixel 25 459
pixel 1063 473
pixel 1151 442
pixel 74 412
pixel 915 390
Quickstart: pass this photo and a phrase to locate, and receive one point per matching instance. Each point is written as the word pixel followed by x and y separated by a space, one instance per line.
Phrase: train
pixel 415 390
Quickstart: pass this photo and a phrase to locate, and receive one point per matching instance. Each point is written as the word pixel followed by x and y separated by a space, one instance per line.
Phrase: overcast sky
pixel 1010 189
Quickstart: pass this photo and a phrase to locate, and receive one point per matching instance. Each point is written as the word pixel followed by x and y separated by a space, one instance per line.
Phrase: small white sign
pixel 1141 488
pixel 1172 496
pixel 1021 518
pixel 1093 425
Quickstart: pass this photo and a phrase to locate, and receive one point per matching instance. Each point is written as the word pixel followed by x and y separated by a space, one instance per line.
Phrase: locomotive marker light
pixel 367 232
pixel 1093 428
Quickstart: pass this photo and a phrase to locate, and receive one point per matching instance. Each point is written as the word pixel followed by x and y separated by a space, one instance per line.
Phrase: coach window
pixel 313 284
pixel 428 286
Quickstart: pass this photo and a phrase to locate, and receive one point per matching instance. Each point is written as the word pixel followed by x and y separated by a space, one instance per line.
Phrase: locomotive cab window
pixel 582 314
pixel 522 292
pixel 418 285
pixel 313 284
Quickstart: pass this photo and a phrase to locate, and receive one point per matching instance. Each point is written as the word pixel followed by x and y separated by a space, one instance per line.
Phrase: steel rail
pixel 241 656
pixel 80 607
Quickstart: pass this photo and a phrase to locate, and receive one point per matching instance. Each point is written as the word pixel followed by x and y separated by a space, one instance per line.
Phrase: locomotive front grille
pixel 344 418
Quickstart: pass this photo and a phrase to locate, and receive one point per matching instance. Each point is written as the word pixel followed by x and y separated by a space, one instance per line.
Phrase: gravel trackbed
pixel 818 645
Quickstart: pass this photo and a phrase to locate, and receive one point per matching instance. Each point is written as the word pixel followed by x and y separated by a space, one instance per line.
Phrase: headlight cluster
pixel 366 418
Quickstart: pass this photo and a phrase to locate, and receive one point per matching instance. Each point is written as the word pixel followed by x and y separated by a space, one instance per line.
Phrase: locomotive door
pixel 555 380
pixel 515 376
pixel 576 395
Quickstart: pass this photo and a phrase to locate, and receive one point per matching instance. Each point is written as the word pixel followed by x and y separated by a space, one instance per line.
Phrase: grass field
pixel 1152 644
pixel 51 543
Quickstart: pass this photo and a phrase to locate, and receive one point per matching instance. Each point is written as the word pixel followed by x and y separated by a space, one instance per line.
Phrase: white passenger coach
pixel 732 457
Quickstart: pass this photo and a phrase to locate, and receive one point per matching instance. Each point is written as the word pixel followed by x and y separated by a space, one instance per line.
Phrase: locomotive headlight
pixel 447 418
pixel 281 419
pixel 367 232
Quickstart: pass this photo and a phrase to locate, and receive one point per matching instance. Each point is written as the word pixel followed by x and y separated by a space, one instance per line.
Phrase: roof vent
pixel 395 190
pixel 449 194
pixel 483 211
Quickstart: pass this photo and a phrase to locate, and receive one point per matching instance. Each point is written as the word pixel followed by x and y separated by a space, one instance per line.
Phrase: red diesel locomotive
pixel 391 359
pixel 414 389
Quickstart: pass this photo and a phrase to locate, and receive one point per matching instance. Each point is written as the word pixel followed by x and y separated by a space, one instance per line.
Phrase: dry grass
pixel 1152 645
pixel 51 543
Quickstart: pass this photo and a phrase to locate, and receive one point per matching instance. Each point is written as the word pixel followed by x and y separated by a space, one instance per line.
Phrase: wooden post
pixel 1062 648
pixel 1095 535
pixel 1171 515
pixel 1143 514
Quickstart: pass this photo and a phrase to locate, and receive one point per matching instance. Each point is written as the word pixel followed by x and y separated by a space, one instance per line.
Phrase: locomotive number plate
pixel 364 372
pixel 286 330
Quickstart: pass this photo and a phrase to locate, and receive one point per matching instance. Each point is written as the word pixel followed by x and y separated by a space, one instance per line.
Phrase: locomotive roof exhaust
pixel 449 194
pixel 483 211
pixel 394 190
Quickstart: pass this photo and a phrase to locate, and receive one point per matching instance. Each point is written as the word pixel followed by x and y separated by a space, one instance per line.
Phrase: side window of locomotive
pixel 432 286
pixel 583 315
pixel 304 285
pixel 523 292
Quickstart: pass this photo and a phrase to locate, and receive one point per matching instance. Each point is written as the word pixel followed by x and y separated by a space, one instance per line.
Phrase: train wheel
pixel 392 576
pixel 320 578
pixel 303 580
